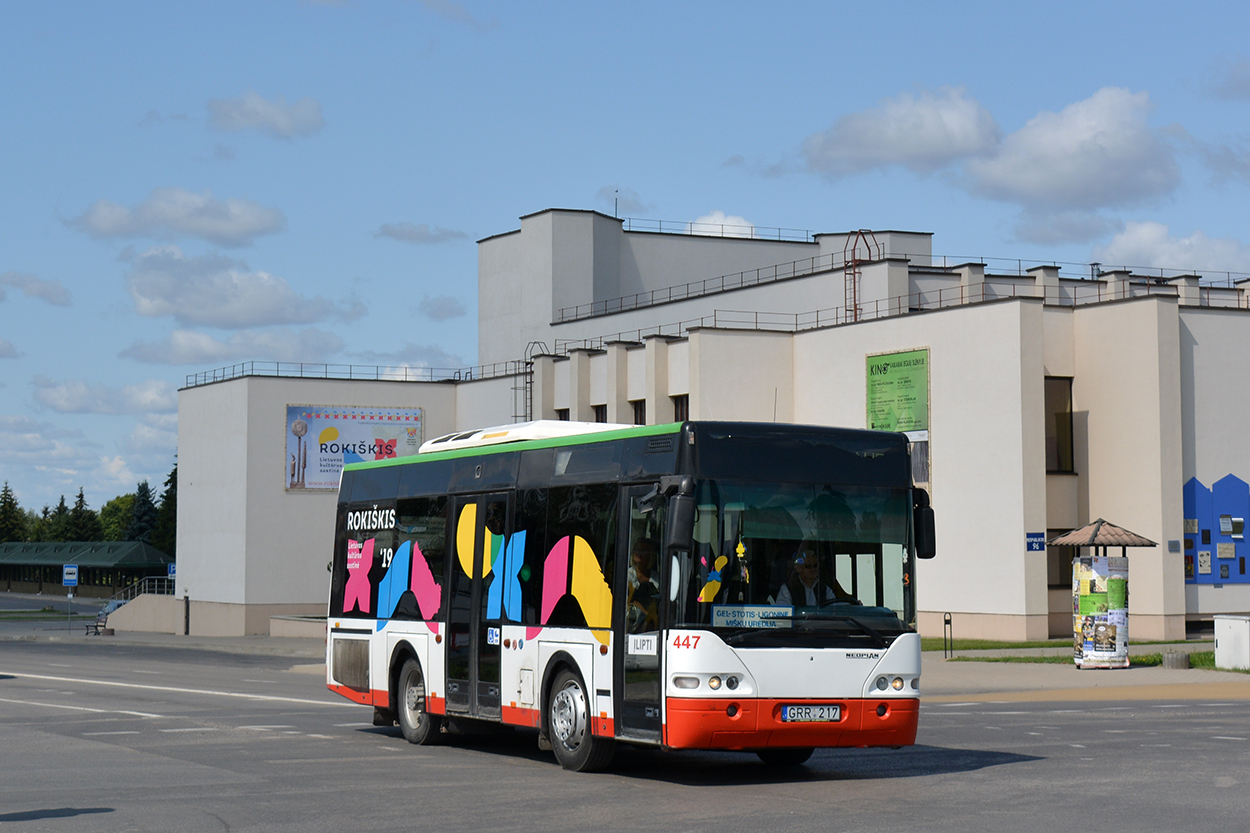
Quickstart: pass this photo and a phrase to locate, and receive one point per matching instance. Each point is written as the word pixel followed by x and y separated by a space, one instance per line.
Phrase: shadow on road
pixel 731 768
pixel 53 813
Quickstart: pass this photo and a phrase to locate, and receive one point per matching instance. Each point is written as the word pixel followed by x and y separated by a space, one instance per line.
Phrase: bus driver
pixel 804 586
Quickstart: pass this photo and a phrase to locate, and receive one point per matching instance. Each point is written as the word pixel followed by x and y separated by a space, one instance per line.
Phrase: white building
pixel 1052 400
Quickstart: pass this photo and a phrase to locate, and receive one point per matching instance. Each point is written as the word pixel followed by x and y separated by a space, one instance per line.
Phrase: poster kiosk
pixel 1100 594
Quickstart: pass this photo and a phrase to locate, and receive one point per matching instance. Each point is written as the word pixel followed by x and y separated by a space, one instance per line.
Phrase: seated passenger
pixel 804 588
pixel 644 587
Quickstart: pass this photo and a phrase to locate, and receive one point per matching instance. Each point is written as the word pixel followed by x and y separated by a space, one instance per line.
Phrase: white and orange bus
pixel 699 585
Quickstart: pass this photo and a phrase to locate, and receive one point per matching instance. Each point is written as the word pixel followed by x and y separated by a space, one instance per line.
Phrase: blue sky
pixel 188 185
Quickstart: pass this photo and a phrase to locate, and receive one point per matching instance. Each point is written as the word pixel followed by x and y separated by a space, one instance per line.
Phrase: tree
pixel 37 524
pixel 115 517
pixel 12 518
pixel 165 535
pixel 143 518
pixel 84 523
pixel 57 529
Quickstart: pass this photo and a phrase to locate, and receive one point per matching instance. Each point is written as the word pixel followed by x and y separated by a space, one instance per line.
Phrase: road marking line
pixel 79 708
pixel 268 697
pixel 350 725
pixel 192 729
pixel 267 728
pixel 1220 737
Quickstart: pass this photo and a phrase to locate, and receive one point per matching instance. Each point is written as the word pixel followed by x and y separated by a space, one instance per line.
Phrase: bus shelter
pixel 1100 593
pixel 104 567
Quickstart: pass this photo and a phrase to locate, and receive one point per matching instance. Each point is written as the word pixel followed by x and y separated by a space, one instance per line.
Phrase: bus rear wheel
pixel 785 756
pixel 417 724
pixel 569 729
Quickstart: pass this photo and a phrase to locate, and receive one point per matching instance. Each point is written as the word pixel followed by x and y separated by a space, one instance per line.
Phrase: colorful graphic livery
pixel 689 586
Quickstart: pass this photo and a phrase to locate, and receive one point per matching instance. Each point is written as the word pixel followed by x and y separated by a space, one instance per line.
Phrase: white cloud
pixel 441 308
pixel 78 397
pixel 217 291
pixel 717 224
pixel 414 356
pixel 32 287
pixel 1150 244
pixel 252 111
pixel 1052 227
pixel 419 233
pixel 175 212
pixel 40 445
pixel 152 445
pixel 922 132
pixel 279 345
pixel 1094 153
pixel 7 350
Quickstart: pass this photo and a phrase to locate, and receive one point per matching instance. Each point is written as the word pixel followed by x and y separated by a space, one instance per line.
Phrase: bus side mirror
pixel 680 522
pixel 922 523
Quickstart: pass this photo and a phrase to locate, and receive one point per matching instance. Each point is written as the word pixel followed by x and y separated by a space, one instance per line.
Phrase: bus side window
pixel 530 517
pixel 423 522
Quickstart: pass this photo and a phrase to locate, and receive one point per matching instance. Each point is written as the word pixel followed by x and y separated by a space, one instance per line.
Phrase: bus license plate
pixel 810 714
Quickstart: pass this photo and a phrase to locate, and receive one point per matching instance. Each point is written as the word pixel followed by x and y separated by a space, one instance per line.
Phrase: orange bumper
pixel 694 723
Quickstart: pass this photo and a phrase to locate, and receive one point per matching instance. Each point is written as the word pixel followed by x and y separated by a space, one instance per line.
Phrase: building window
pixel 601 413
pixel 681 408
pixel 1059 424
pixel 640 411
pixel 1059 561
pixel 562 414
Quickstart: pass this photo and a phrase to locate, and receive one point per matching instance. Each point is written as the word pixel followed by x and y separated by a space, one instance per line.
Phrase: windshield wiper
pixel 837 601
pixel 871 633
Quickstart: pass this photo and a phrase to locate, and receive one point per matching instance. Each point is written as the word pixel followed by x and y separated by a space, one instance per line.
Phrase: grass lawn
pixel 1197 659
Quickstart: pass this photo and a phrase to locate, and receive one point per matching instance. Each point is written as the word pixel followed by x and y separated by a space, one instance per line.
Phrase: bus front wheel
pixel 417 724
pixel 569 729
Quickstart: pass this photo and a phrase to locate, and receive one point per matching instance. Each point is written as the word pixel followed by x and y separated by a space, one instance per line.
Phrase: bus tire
pixel 785 756
pixel 568 726
pixel 417 724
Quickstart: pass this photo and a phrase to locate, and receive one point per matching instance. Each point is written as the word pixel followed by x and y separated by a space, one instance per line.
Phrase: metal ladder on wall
pixel 851 271
pixel 523 383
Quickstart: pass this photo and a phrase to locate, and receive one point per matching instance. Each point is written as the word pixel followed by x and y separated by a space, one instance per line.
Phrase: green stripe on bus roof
pixel 521 445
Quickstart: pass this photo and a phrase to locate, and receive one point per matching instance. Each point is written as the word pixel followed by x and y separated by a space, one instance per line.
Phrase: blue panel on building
pixel 1215 548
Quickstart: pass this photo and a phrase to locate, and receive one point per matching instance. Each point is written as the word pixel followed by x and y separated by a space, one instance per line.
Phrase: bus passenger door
pixel 639 618
pixel 473 633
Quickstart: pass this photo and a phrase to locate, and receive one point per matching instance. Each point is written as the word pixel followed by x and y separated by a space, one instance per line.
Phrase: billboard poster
pixel 898 391
pixel 1100 612
pixel 321 439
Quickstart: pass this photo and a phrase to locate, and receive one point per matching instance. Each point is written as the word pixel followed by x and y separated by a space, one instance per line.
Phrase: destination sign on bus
pixel 751 616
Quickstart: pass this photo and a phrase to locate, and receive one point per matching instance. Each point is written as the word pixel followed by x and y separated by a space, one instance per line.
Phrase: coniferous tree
pixel 57 529
pixel 12 518
pixel 165 535
pixel 84 523
pixel 143 518
pixel 37 524
pixel 115 517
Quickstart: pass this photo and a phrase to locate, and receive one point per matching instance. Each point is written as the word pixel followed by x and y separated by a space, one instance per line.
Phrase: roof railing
pixel 358 372
pixel 1094 292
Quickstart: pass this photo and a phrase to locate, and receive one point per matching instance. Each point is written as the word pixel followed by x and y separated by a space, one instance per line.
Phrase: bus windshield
pixel 797 564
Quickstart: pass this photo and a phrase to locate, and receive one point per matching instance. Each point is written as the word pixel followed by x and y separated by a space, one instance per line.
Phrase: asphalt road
pixel 105 736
